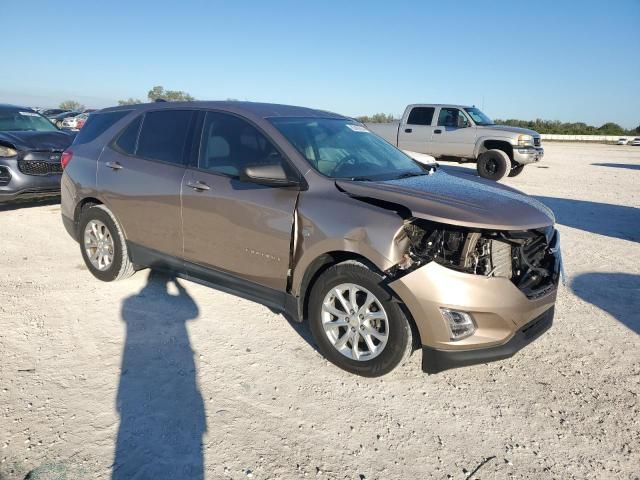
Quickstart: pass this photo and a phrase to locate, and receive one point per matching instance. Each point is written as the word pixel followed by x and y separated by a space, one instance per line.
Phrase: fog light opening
pixel 460 323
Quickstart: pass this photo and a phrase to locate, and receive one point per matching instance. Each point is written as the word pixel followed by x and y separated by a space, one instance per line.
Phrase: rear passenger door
pixel 140 176
pixel 415 135
pixel 231 226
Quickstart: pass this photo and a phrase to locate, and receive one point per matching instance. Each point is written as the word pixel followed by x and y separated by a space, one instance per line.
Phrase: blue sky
pixel 557 60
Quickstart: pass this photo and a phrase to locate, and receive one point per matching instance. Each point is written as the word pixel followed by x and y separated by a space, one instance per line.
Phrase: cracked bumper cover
pixel 500 311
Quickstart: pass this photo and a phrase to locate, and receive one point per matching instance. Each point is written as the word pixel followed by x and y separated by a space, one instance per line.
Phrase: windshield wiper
pixel 411 174
pixel 361 179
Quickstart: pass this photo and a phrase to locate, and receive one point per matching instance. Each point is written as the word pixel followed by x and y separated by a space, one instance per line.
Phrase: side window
pixel 452 117
pixel 229 144
pixel 164 135
pixel 127 141
pixel 97 124
pixel 421 116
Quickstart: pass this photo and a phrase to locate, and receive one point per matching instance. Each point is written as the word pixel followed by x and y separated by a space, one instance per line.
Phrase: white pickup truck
pixel 461 133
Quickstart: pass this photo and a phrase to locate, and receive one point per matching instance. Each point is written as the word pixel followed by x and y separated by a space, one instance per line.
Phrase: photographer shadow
pixel 162 416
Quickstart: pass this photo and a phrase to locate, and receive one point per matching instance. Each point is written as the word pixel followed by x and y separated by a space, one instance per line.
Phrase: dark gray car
pixel 311 214
pixel 30 152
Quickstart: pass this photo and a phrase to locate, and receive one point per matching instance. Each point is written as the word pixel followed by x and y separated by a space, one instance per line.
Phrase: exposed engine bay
pixel 530 259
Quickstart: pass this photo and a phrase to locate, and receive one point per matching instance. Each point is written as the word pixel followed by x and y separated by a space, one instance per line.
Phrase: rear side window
pixel 128 140
pixel 97 124
pixel 164 135
pixel 229 144
pixel 421 116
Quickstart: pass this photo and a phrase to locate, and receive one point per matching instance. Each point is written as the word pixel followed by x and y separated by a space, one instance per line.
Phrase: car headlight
pixel 7 152
pixel 525 141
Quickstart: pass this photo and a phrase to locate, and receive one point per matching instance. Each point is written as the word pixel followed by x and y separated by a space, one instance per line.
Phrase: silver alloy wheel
pixel 355 322
pixel 98 245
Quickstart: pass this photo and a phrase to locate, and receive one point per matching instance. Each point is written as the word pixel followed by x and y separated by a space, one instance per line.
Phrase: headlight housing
pixel 7 151
pixel 525 140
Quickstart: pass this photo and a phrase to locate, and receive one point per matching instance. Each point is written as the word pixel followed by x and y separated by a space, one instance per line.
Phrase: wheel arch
pixel 328 259
pixel 86 202
pixel 494 144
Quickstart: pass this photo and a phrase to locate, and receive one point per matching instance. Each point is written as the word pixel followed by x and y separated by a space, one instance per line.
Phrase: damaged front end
pixel 530 259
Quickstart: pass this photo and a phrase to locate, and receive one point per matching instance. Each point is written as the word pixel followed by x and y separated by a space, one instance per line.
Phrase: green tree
pixel 567 128
pixel 158 92
pixel 376 118
pixel 611 128
pixel 71 105
pixel 129 101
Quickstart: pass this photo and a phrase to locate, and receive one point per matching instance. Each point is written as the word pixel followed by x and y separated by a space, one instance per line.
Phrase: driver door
pixel 232 226
pixel 454 134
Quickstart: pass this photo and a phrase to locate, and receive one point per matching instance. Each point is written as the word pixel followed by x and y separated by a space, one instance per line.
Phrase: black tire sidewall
pixel 516 170
pixel 399 328
pixel 493 155
pixel 97 213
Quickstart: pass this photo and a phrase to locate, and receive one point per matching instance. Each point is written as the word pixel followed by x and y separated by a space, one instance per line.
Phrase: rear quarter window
pixel 127 141
pixel 97 124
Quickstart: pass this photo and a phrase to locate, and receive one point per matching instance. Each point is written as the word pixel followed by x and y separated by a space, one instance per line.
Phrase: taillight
pixel 65 158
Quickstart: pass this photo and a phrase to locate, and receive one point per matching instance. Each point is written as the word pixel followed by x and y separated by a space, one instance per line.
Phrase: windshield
pixel 20 121
pixel 342 148
pixel 478 117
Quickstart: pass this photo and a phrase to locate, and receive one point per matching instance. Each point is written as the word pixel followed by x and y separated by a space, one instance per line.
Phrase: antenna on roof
pixel 157 100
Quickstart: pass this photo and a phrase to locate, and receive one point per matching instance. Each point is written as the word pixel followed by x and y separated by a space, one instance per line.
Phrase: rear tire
pixel 516 170
pixel 103 246
pixel 378 326
pixel 493 164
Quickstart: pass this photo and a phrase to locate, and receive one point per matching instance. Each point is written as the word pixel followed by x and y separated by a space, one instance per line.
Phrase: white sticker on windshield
pixel 357 128
pixel 29 114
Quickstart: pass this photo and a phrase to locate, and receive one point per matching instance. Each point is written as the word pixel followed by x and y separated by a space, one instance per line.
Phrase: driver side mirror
pixel 272 175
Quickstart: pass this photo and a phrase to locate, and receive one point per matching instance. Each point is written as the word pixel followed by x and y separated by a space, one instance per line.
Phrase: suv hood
pixel 507 128
pixel 30 140
pixel 452 200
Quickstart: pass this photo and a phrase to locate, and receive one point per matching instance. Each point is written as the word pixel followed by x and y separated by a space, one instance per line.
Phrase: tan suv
pixel 311 214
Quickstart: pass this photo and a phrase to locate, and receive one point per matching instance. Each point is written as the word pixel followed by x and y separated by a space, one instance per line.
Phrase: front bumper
pixel 435 361
pixel 498 308
pixel 527 155
pixel 23 186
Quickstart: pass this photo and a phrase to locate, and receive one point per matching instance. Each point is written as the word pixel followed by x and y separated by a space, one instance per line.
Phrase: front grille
pixel 5 176
pixel 536 141
pixel 37 167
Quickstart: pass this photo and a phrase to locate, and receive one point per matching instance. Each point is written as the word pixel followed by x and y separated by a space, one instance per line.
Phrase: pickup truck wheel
pixel 356 323
pixel 103 245
pixel 516 170
pixel 493 164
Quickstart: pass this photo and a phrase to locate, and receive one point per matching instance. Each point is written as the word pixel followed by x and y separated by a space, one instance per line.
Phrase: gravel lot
pixel 101 380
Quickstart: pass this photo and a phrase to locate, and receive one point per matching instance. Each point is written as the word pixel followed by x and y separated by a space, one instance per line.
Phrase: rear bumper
pixel 524 156
pixel 434 360
pixel 70 226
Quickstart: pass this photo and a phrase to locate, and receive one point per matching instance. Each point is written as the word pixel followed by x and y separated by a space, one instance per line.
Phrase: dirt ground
pixel 147 378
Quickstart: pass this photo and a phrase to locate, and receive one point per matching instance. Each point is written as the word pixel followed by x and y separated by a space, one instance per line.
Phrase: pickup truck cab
pixel 462 133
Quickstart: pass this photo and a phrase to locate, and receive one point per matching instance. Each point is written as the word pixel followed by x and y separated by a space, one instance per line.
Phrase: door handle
pixel 114 165
pixel 408 130
pixel 198 186
pixel 437 131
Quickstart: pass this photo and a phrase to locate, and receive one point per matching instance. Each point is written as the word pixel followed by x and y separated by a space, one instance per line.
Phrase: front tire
pixel 516 170
pixel 103 245
pixel 356 323
pixel 493 164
